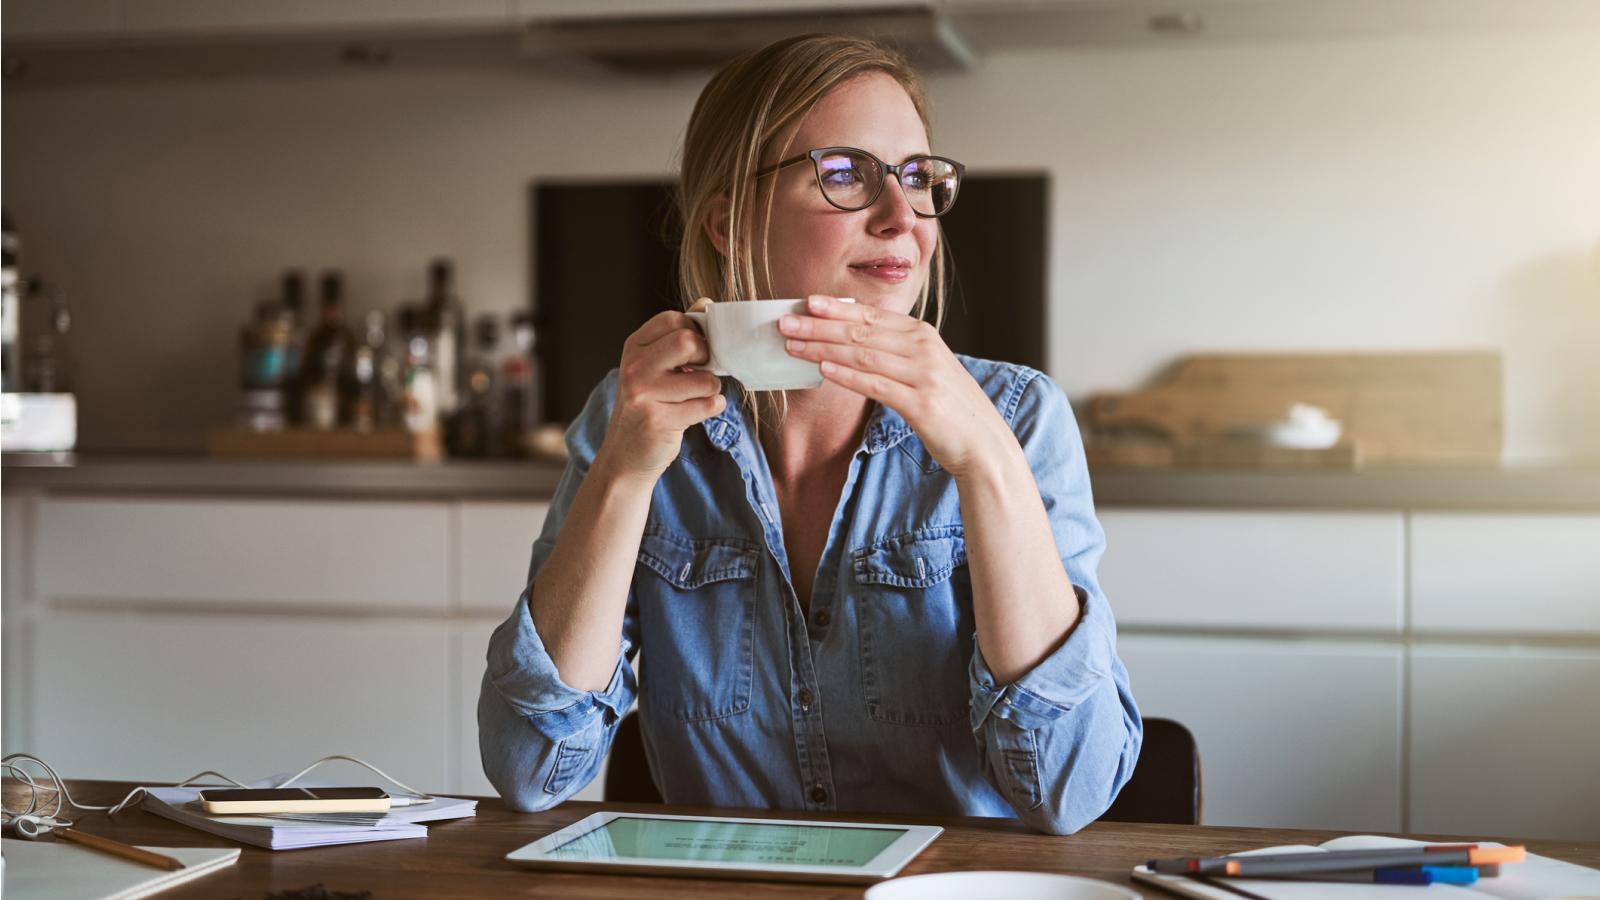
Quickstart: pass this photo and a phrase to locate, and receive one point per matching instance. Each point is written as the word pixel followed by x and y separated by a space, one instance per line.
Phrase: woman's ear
pixel 719 213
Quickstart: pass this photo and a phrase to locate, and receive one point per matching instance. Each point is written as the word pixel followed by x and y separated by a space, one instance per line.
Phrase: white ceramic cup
pixel 746 344
pixel 1010 885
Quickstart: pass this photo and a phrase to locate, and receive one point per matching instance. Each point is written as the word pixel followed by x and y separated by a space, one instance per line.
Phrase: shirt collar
pixel 885 427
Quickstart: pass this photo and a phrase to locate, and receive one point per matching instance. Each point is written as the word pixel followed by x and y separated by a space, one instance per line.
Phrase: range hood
pixel 654 44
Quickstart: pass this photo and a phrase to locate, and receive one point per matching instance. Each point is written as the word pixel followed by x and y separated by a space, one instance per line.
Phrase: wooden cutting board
pixel 305 443
pixel 1396 408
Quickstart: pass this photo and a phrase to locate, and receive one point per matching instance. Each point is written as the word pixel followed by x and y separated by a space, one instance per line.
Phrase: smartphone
pixel 284 800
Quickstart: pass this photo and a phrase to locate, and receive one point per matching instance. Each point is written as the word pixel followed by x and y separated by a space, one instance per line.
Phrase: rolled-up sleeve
pixel 1060 741
pixel 540 739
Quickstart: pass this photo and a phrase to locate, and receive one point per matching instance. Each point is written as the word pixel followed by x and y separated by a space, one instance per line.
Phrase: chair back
pixel 628 772
pixel 1165 787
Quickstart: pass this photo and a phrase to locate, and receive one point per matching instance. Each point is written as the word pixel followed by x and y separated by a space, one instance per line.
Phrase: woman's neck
pixel 821 429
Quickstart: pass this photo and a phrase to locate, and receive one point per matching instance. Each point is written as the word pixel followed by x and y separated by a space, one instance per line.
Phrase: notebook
pixel 58 870
pixel 1537 878
pixel 289 832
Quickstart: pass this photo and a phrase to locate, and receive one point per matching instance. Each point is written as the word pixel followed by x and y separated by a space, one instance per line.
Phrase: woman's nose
pixel 892 213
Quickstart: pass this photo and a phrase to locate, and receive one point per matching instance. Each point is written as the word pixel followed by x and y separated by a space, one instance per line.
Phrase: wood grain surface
pixel 1395 408
pixel 466 858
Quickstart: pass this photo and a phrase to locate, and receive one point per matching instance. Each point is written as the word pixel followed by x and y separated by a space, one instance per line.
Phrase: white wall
pixel 1379 192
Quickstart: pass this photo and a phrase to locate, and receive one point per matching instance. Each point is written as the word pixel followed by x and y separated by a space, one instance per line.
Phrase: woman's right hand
pixel 658 396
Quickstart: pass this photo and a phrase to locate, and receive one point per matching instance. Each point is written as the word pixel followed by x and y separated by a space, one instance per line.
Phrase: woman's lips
pixel 893 271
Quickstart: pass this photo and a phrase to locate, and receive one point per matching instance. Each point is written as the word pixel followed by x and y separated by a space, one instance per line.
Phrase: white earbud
pixel 30 827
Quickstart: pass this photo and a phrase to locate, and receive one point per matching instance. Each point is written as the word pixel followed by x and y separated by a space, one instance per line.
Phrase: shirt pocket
pixel 915 606
pixel 697 620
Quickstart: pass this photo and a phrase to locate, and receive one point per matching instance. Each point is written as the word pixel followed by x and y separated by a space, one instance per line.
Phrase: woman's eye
pixel 842 178
pixel 916 181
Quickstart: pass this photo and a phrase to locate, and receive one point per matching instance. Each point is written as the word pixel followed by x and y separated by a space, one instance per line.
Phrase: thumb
pixel 700 304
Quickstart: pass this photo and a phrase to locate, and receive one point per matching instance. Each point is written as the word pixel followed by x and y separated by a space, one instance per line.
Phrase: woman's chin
pixel 898 298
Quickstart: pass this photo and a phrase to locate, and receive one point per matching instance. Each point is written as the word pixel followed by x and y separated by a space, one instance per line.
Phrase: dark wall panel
pixel 604 262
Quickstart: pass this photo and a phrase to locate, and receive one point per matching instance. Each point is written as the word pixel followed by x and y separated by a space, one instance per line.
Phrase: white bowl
pixel 1009 885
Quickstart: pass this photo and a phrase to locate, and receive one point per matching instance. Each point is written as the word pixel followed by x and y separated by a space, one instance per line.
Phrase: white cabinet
pixel 16 638
pixel 1251 570
pixel 471 643
pixel 121 694
pixel 496 547
pixel 1499 573
pixel 1506 741
pixel 1292 733
pixel 251 554
pixel 156 637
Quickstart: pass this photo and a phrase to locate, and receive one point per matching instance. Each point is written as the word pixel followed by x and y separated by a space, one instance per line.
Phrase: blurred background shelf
pixel 311 444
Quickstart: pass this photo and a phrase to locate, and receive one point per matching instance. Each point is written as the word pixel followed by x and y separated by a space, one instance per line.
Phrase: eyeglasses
pixel 853 179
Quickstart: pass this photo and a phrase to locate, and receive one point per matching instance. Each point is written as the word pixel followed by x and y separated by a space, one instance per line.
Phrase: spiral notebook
pixel 1537 878
pixel 57 870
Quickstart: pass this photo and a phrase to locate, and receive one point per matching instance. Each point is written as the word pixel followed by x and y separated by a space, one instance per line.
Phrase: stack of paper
pixel 287 832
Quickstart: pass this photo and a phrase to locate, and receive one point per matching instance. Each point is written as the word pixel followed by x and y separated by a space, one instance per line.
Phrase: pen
pixel 1264 864
pixel 1381 875
pixel 117 848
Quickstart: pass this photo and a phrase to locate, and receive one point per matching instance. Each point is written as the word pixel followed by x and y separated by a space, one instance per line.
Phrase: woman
pixel 878 594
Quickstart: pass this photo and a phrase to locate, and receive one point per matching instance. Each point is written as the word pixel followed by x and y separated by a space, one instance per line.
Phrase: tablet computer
pixel 717 847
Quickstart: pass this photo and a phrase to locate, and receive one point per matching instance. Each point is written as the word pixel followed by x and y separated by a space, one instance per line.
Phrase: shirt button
pixel 819 794
pixel 805 698
pixel 823 618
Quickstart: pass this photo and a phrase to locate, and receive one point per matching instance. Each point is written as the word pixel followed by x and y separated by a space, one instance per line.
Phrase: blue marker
pixel 1452 874
pixel 1381 875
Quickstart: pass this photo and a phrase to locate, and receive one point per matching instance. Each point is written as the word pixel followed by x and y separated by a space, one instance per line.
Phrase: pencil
pixel 117 848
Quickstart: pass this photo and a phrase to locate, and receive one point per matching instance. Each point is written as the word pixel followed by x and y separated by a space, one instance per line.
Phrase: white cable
pixel 63 797
pixel 415 794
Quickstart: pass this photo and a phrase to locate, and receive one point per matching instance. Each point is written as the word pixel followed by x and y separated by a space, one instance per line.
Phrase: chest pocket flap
pixel 690 564
pixel 917 559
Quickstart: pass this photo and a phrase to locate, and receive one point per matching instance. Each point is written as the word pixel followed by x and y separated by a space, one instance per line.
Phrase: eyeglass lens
pixel 850 180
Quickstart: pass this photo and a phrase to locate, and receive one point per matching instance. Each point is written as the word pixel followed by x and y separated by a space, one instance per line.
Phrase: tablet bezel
pixel 888 863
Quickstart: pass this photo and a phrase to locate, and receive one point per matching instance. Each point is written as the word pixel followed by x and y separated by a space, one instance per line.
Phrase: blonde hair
pixel 741 112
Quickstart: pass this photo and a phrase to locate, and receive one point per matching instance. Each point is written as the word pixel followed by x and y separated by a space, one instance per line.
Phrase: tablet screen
pixel 639 838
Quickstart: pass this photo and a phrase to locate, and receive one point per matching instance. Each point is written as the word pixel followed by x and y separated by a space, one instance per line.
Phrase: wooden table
pixel 466 857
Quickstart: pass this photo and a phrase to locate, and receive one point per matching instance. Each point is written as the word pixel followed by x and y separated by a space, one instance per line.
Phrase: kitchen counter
pixel 1507 488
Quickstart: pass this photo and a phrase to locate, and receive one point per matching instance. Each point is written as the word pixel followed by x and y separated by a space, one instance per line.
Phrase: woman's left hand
pixel 904 364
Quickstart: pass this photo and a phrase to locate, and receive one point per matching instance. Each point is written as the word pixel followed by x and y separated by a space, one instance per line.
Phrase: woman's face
pixel 878 255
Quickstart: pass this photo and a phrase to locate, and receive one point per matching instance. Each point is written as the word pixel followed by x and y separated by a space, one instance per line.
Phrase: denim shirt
pixel 878 699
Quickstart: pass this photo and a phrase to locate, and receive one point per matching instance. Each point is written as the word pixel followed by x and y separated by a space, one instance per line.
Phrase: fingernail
pixel 787 323
pixel 794 346
pixel 818 303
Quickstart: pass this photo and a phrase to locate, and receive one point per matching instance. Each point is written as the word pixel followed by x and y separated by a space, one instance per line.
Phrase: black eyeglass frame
pixel 816 170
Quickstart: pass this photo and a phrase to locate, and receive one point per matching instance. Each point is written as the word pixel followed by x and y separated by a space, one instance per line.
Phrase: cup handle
pixel 712 366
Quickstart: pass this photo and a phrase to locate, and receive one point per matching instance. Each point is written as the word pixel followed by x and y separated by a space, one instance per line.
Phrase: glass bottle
pixel 519 403
pixel 48 370
pixel 421 403
pixel 446 331
pixel 10 308
pixel 475 423
pixel 328 350
pixel 293 301
pixel 362 394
